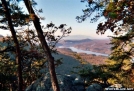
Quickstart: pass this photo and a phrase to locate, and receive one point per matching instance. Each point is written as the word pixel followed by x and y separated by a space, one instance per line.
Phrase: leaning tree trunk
pixel 37 25
pixel 18 55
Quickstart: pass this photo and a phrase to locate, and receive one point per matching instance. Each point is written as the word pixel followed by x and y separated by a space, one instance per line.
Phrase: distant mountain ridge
pixel 76 37
pixel 79 41
pixel 72 42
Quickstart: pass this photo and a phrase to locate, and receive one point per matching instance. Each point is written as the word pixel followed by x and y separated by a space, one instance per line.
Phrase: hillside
pixel 100 46
pixel 87 58
pixel 95 45
pixel 68 63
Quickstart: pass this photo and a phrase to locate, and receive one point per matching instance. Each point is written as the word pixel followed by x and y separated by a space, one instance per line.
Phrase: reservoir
pixel 83 51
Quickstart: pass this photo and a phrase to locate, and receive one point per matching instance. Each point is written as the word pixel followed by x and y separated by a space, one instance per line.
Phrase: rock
pixel 94 87
pixel 66 83
pixel 78 81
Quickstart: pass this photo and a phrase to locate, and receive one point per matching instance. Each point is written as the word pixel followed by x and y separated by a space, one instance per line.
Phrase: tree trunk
pixel 37 25
pixel 18 55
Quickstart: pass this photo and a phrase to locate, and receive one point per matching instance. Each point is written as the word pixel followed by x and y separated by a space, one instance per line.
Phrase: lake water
pixel 83 51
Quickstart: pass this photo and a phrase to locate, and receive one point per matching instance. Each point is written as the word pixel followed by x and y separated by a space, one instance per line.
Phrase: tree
pixel 15 21
pixel 121 75
pixel 36 22
pixel 18 55
pixel 34 61
pixel 44 45
pixel 118 15
pixel 119 19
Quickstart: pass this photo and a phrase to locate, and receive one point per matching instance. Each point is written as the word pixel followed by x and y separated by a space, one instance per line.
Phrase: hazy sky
pixel 64 12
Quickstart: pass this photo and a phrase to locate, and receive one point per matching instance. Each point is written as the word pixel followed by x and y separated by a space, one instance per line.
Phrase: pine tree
pixel 17 18
pixel 119 16
pixel 18 55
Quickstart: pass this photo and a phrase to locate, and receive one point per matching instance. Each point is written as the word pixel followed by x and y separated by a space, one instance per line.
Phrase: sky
pixel 65 12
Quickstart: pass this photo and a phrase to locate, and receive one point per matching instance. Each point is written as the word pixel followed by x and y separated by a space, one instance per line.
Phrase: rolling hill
pixel 95 45
pixel 72 42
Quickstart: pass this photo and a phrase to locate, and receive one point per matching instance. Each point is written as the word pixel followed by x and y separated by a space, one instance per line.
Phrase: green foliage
pixel 119 19
pixel 112 15
pixel 114 72
pixel 32 59
pixel 94 74
pixel 110 7
pixel 17 15
pixel 121 71
pixel 122 46
pixel 32 55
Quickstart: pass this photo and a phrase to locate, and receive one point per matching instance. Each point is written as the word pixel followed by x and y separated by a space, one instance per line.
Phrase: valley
pixel 83 57
pixel 95 45
pixel 98 46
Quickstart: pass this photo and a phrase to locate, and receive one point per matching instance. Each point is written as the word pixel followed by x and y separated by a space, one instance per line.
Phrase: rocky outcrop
pixel 95 87
pixel 66 83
